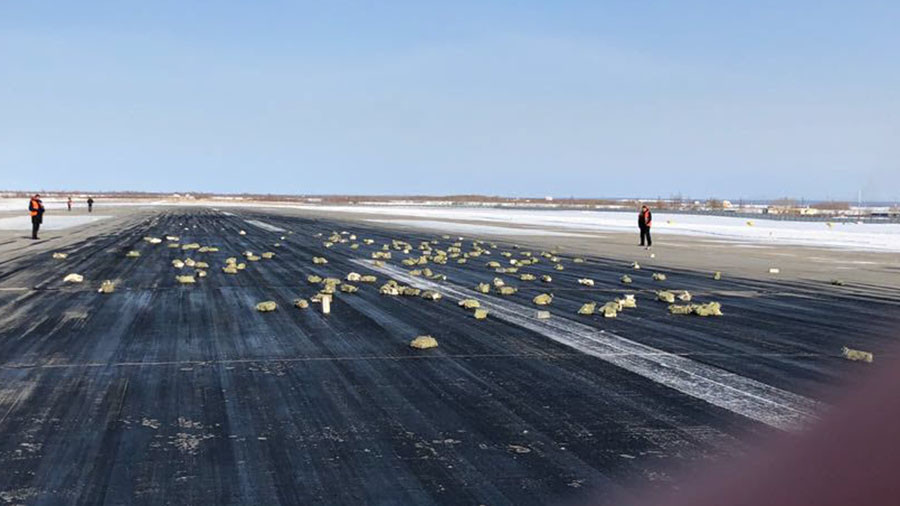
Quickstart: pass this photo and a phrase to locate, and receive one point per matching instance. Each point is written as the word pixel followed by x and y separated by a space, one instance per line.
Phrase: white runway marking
pixel 265 226
pixel 755 400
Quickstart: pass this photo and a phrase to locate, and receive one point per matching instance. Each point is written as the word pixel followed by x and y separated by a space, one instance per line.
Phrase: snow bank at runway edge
pixel 864 237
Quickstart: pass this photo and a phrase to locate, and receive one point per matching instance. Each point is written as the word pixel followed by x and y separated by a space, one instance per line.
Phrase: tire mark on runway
pixel 755 400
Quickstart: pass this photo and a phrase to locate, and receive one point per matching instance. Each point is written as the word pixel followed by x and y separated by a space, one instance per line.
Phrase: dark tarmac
pixel 162 393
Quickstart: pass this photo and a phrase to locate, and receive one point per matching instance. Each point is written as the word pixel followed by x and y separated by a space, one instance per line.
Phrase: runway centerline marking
pixel 747 397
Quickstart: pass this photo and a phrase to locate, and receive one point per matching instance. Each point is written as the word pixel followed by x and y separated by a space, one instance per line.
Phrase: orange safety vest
pixel 34 206
pixel 646 216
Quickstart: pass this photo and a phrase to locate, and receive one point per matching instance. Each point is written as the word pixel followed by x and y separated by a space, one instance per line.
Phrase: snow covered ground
pixel 9 204
pixel 56 223
pixel 21 204
pixel 863 237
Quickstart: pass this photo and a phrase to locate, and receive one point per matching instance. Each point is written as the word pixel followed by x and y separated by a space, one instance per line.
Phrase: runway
pixel 162 393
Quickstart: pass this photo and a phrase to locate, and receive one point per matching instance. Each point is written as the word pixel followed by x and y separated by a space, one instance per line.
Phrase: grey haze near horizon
pixel 704 99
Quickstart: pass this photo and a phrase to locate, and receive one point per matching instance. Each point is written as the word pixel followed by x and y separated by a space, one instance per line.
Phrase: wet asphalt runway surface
pixel 162 393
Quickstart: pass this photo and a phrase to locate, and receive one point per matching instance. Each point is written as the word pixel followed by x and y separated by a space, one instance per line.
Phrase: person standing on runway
pixel 645 218
pixel 36 210
pixel 90 202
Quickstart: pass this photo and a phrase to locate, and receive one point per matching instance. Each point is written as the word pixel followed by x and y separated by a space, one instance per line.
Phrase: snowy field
pixel 11 204
pixel 56 223
pixel 8 204
pixel 863 237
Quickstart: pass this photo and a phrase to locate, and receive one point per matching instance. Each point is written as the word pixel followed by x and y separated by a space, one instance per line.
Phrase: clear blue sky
pixel 631 98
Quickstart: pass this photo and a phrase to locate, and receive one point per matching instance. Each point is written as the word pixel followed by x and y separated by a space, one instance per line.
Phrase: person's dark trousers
pixel 645 234
pixel 35 225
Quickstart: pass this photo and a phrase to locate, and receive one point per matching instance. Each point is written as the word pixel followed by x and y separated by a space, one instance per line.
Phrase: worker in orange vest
pixel 36 210
pixel 645 218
